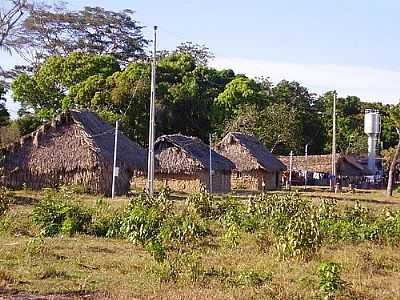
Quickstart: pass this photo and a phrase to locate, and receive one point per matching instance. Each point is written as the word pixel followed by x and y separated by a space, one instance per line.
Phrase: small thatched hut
pixel 256 168
pixel 76 148
pixel 184 164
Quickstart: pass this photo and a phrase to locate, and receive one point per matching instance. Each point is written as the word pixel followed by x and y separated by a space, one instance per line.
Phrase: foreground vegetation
pixel 278 246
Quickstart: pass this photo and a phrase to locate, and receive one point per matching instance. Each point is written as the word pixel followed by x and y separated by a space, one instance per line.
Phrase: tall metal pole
pixel 333 179
pixel 211 169
pixel 115 160
pixel 150 165
pixel 306 171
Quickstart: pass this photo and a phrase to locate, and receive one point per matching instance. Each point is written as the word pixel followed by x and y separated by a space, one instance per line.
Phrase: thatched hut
pixel 76 148
pixel 184 165
pixel 320 166
pixel 256 168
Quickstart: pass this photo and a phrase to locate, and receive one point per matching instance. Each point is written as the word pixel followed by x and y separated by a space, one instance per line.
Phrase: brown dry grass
pixel 103 268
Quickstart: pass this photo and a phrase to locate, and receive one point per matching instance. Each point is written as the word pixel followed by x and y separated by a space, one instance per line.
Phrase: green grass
pixel 118 269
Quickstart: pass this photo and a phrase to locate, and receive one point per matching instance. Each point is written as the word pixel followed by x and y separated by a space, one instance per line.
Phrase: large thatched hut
pixel 319 167
pixel 76 148
pixel 184 165
pixel 256 168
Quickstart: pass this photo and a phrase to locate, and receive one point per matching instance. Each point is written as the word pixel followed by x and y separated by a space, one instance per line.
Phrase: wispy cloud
pixel 370 84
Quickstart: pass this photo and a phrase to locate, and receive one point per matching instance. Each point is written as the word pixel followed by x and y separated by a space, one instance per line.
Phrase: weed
pixel 106 221
pixel 35 246
pixel 4 200
pixel 329 279
pixel 251 278
pixel 59 211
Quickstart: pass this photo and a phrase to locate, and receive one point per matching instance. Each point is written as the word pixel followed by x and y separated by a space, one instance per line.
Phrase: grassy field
pixel 83 266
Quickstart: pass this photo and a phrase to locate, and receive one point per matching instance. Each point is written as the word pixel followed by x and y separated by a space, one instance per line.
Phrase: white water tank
pixel 372 127
pixel 372 122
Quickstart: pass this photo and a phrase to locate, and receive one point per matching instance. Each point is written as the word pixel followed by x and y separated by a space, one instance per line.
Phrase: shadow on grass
pixel 19 295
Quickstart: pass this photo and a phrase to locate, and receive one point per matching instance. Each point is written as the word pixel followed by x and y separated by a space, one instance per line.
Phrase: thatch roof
pixel 180 154
pixel 346 165
pixel 95 134
pixel 248 153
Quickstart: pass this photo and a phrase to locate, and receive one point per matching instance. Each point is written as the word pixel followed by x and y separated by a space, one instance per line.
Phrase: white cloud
pixel 370 84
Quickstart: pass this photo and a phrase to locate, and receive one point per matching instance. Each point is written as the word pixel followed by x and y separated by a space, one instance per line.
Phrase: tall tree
pixel 395 116
pixel 4 115
pixel 51 87
pixel 200 53
pixel 238 92
pixel 54 30
pixel 276 126
pixel 10 16
pixel 303 102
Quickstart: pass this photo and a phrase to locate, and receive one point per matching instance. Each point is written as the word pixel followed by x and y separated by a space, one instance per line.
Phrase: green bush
pixel 292 220
pixel 329 279
pixel 106 221
pixel 4 200
pixel 183 228
pixel 358 223
pixel 201 204
pixel 231 236
pixel 302 237
pixel 142 224
pixel 251 278
pixel 387 225
pixel 60 212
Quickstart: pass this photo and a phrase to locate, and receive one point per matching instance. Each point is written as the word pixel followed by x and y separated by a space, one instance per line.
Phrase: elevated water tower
pixel 372 127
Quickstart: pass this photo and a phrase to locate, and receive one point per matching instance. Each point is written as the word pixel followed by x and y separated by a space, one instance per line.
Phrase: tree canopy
pixel 96 59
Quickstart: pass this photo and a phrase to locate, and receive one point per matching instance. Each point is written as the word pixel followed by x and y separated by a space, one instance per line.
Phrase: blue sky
pixel 352 46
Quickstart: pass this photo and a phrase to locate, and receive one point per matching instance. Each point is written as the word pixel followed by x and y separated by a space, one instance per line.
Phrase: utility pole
pixel 306 171
pixel 333 179
pixel 150 165
pixel 211 169
pixel 289 183
pixel 115 169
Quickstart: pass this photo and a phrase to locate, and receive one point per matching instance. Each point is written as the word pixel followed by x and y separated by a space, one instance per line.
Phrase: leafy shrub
pixel 142 224
pixel 302 237
pixel 4 200
pixel 358 223
pixel 156 248
pixel 161 202
pixel 329 279
pixel 60 212
pixel 35 246
pixel 387 226
pixel 201 204
pixel 184 228
pixel 184 265
pixel 279 209
pixel 231 237
pixel 251 278
pixel 292 220
pixel 106 221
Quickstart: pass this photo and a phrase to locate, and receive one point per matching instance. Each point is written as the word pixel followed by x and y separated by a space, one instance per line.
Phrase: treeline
pixel 98 59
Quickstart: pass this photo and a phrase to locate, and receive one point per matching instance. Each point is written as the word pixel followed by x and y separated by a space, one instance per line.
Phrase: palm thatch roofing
pixel 76 141
pixel 180 154
pixel 248 153
pixel 102 135
pixel 98 134
pixel 346 165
